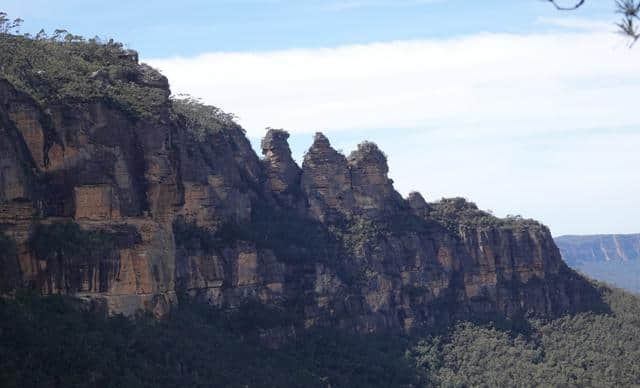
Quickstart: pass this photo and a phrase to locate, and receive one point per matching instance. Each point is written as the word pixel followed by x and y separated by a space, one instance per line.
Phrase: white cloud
pixel 576 23
pixel 340 5
pixel 487 82
pixel 542 124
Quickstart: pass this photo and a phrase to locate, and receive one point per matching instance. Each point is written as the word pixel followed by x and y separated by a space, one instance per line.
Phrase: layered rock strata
pixel 173 216
pixel 577 250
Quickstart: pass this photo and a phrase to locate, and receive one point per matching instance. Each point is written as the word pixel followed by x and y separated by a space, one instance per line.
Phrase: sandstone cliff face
pixel 168 215
pixel 326 180
pixel 577 250
pixel 90 162
pixel 283 174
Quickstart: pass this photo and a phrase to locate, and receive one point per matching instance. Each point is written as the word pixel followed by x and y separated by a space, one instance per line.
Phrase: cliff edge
pixel 137 203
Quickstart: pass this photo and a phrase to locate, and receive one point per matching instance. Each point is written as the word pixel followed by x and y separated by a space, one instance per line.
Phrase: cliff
pixel 613 258
pixel 577 250
pixel 137 204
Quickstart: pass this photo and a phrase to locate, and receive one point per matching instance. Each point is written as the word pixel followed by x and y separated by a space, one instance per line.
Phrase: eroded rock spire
pixel 283 174
pixel 371 184
pixel 417 203
pixel 326 179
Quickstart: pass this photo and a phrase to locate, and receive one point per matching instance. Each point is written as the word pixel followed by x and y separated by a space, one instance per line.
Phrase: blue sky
pixel 190 27
pixel 512 104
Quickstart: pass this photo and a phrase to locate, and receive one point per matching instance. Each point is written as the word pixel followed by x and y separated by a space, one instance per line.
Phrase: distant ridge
pixel 601 247
pixel 613 258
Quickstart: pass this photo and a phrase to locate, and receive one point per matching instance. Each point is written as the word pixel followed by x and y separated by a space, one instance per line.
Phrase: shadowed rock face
pixel 417 203
pixel 326 180
pixel 372 188
pixel 282 173
pixel 173 216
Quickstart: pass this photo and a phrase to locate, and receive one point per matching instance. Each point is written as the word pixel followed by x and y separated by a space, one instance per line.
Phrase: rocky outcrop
pixel 372 189
pixel 283 174
pixel 219 176
pixel 137 212
pixel 326 180
pixel 88 161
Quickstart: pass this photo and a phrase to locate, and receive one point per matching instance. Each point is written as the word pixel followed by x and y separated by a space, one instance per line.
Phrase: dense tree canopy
pixel 58 342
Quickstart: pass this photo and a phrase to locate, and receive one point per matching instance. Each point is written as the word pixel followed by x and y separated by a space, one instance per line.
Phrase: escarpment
pixel 138 211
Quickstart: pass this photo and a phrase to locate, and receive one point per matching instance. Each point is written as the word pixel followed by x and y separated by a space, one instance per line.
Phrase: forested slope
pixel 56 342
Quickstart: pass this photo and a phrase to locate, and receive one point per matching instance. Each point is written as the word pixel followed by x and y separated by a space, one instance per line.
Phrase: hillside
pixel 55 342
pixel 610 258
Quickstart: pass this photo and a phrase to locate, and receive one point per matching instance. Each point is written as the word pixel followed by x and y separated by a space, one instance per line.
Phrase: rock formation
pixel 136 212
pixel 326 180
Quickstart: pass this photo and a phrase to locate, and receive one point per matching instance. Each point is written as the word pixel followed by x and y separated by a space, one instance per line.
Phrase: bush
pixel 55 69
pixel 201 119
pixel 585 349
pixel 191 237
pixel 453 213
pixel 55 341
pixel 49 341
pixel 68 240
pixel 75 256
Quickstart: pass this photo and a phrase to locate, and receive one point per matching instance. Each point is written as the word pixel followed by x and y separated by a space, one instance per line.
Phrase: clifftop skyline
pixel 113 191
pixel 509 105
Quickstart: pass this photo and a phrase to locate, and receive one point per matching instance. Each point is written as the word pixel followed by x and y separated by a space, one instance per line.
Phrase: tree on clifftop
pixel 628 24
pixel 8 26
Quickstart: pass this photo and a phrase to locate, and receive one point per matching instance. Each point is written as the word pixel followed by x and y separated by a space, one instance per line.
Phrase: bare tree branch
pixel 571 8
pixel 630 10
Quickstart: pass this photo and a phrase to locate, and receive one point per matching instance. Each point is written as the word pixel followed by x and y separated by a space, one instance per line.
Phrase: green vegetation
pixel 293 238
pixel 455 212
pixel 201 119
pixel 623 274
pixel 587 349
pixel 63 67
pixel 67 240
pixel 67 248
pixel 357 233
pixel 58 341
pixel 368 149
pixel 191 237
pixel 54 342
pixel 66 66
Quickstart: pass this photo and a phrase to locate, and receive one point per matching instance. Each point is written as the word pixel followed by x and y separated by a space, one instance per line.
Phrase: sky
pixel 514 105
